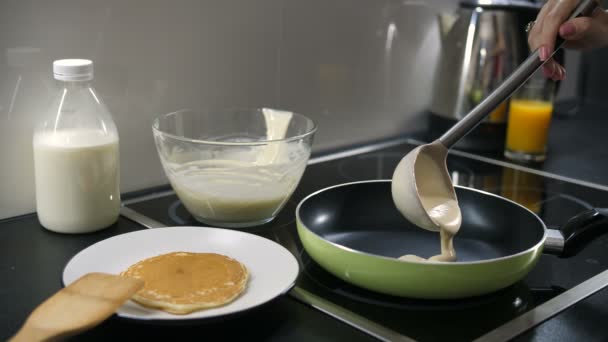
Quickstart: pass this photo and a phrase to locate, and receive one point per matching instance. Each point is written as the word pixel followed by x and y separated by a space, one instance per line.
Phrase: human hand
pixel 578 33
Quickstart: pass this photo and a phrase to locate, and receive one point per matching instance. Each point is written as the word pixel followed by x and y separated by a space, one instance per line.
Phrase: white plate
pixel 272 268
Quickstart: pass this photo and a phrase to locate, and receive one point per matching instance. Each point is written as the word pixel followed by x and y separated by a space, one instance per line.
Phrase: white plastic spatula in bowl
pixel 78 307
pixel 277 122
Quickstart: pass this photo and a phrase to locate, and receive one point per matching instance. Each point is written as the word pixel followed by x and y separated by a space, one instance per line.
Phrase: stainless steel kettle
pixel 482 43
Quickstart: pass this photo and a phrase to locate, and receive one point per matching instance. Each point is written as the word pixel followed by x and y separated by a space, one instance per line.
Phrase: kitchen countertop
pixel 31 265
pixel 577 145
pixel 32 260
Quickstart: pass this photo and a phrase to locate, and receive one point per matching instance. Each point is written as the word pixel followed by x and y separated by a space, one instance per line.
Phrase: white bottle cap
pixel 73 70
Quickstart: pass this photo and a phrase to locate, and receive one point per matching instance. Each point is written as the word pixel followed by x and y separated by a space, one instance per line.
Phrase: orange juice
pixel 528 125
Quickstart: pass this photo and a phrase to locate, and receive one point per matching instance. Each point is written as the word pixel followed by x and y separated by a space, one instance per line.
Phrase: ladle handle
pixel 508 87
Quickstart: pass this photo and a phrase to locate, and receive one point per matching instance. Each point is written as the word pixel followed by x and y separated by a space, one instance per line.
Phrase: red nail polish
pixel 543 53
pixel 567 30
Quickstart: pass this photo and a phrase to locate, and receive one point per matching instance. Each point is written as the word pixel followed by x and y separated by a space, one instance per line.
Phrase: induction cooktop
pixel 553 198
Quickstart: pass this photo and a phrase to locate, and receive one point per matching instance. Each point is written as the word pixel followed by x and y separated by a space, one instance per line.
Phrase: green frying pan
pixel 355 232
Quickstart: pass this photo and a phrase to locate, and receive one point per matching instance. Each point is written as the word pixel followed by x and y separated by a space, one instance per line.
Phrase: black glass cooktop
pixel 553 200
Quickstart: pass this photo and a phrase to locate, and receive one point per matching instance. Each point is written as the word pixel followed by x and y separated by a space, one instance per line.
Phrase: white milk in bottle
pixel 76 157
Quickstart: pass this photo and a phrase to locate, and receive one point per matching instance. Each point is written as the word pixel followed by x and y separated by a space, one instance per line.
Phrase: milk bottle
pixel 76 156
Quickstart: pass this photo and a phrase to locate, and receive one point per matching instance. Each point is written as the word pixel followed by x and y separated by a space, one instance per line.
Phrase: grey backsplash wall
pixel 362 69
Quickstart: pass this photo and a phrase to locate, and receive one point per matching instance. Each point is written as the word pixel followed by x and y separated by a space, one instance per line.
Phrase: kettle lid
pixel 502 4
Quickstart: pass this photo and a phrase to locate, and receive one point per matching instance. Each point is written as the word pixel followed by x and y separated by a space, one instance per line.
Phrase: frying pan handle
pixel 582 229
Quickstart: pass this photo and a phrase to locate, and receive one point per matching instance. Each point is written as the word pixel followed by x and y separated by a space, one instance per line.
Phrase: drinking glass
pixel 530 111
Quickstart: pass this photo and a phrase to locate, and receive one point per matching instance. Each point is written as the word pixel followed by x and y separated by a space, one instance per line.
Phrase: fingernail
pixel 563 73
pixel 543 53
pixel 567 30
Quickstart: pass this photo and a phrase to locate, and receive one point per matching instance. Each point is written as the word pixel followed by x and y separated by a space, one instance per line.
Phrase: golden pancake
pixel 183 282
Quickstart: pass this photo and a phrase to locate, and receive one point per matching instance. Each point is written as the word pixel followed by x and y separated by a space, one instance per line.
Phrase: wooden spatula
pixel 80 306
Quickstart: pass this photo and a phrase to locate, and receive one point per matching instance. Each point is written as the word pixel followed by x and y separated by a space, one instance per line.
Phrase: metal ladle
pixel 407 186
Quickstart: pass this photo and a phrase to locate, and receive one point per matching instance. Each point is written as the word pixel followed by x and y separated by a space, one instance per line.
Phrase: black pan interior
pixel 362 216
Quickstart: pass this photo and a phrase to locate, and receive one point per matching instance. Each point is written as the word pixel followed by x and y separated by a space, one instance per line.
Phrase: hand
pixel 579 33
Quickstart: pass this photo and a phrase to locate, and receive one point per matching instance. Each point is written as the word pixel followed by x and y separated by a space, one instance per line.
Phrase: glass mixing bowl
pixel 234 168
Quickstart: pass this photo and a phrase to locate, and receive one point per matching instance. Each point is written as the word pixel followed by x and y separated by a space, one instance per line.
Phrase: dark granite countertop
pixel 578 144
